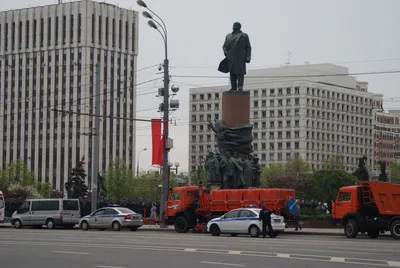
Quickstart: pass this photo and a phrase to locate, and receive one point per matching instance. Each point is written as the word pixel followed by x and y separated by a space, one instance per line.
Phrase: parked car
pixel 49 212
pixel 243 221
pixel 112 217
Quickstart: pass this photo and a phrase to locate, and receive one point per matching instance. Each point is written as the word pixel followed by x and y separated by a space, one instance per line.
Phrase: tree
pixel 334 162
pixel 16 173
pixel 76 186
pixel 395 172
pixel 296 167
pixel 118 181
pixel 198 175
pixel 44 189
pixel 382 176
pixel 324 185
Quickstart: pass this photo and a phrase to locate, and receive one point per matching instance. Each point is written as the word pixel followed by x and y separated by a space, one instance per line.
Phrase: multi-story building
pixel 48 58
pixel 386 136
pixel 315 111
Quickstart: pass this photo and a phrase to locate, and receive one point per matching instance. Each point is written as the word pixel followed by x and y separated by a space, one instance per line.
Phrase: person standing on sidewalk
pixel 153 213
pixel 265 217
pixel 297 215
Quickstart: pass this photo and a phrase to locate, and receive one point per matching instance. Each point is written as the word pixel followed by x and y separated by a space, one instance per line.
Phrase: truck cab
pixel 184 205
pixel 347 201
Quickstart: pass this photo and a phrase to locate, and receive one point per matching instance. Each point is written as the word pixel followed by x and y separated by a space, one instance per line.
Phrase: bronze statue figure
pixel 228 170
pixel 212 169
pixel 237 50
pixel 248 172
pixel 257 172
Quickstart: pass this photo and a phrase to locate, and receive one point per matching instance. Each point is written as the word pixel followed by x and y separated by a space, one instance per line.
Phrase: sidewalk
pixel 304 231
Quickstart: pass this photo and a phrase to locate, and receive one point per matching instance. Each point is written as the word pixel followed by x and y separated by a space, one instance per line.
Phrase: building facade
pixel 48 58
pixel 315 111
pixel 386 137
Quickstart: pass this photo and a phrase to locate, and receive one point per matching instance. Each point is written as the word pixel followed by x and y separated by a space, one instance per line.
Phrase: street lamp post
pixel 137 171
pixel 163 32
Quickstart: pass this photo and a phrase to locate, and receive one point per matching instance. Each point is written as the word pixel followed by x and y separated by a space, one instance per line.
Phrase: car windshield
pixel 126 210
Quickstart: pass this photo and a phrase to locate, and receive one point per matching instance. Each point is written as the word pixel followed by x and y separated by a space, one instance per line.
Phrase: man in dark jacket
pixel 265 217
pixel 237 50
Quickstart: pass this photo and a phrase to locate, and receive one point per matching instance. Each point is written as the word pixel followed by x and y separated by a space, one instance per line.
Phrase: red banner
pixel 157 142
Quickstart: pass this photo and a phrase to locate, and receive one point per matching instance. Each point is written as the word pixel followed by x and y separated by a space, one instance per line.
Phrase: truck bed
pixel 386 196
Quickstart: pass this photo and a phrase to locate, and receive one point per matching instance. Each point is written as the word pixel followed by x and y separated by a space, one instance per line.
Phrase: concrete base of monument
pixel 215 187
pixel 236 108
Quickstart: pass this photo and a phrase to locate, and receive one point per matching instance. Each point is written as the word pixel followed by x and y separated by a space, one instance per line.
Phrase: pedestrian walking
pixel 153 213
pixel 297 216
pixel 265 218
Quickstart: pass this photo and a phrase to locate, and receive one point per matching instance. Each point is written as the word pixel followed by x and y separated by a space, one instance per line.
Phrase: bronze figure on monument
pixel 237 51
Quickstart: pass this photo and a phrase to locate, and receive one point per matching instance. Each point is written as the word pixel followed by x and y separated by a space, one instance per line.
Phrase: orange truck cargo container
pixel 370 207
pixel 191 207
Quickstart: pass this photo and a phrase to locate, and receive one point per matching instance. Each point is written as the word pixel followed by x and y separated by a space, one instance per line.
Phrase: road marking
pixel 337 259
pixel 394 263
pixel 190 249
pixel 70 252
pixel 104 266
pixel 314 258
pixel 279 255
pixel 222 263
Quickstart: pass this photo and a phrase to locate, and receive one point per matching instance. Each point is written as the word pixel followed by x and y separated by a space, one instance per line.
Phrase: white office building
pixel 315 111
pixel 48 57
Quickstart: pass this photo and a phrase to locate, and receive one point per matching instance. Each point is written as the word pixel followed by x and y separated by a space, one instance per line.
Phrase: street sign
pixel 292 206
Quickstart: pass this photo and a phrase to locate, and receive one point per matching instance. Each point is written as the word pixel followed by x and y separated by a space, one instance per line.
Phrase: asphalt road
pixel 96 249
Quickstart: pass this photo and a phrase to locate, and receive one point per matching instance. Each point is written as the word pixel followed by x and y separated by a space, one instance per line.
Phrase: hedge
pixel 321 217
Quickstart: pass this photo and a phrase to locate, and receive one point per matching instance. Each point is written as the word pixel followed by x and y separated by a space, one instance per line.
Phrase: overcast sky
pixel 360 34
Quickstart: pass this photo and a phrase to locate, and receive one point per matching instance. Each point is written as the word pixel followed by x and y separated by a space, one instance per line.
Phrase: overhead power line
pixel 293 76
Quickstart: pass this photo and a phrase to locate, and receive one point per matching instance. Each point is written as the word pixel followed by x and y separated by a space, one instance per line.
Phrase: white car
pixel 243 221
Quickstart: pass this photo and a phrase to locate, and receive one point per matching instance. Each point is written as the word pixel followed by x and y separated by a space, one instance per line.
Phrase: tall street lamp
pixel 155 24
pixel 137 171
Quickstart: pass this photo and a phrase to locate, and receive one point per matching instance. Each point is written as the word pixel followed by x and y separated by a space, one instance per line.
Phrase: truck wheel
pixel 351 229
pixel 374 233
pixel 395 229
pixel 181 225
pixel 214 230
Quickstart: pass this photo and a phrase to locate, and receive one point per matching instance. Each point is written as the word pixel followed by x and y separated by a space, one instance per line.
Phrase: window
pixel 176 196
pixel 126 210
pixel 99 212
pixel 100 30
pixel 70 205
pixel 45 205
pixel 25 207
pixel 344 196
pixel 232 214
pixel 133 37
pixel 1 202
pixel 247 213
pixel 110 211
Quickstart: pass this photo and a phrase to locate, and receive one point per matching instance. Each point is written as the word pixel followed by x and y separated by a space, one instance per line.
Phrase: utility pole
pixel 165 175
pixel 96 142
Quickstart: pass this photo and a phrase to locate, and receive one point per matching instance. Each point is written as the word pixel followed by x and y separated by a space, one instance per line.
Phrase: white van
pixel 2 207
pixel 49 212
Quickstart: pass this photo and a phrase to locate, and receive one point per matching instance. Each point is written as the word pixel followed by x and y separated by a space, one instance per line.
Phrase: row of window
pixel 36 30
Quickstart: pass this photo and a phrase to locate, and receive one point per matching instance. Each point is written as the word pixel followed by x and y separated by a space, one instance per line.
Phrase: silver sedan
pixel 112 217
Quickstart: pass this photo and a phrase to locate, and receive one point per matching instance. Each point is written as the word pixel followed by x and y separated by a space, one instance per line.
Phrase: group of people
pixel 232 172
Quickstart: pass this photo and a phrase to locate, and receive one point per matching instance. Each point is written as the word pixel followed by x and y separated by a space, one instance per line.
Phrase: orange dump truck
pixel 370 207
pixel 191 207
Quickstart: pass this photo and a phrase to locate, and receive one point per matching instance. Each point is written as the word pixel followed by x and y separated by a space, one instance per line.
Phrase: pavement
pixel 38 248
pixel 304 231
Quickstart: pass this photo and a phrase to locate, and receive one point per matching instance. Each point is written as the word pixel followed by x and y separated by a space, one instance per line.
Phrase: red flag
pixel 157 142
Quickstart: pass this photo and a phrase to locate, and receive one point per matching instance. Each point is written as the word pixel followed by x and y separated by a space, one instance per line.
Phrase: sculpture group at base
pixel 232 172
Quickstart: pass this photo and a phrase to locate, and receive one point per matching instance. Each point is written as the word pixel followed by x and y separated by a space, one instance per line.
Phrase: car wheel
pixel 254 231
pixel 214 230
pixel 116 226
pixel 395 229
pixel 234 235
pixel 374 233
pixel 17 224
pixel 276 234
pixel 181 225
pixel 50 224
pixel 351 228
pixel 85 225
pixel 134 228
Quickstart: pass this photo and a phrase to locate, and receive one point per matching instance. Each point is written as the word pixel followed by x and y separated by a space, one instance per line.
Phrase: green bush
pixel 309 211
pixel 321 217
